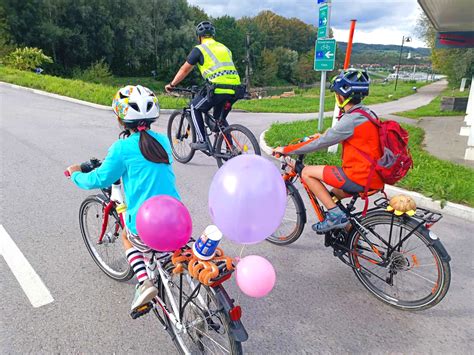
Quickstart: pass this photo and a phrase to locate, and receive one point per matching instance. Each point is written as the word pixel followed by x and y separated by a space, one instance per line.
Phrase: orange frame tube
pixel 347 61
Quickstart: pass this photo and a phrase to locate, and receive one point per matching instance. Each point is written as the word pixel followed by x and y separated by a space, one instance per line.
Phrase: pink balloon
pixel 255 276
pixel 164 223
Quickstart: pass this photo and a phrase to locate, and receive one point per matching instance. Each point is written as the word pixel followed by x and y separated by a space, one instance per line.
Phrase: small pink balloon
pixel 255 276
pixel 164 223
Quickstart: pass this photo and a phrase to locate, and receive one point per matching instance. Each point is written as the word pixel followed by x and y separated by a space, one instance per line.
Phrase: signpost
pixel 323 21
pixel 324 54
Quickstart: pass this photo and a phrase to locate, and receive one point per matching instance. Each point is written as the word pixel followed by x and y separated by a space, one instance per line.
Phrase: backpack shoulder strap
pixel 375 121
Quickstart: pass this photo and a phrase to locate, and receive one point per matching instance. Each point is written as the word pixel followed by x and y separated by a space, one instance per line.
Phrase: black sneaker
pixel 199 146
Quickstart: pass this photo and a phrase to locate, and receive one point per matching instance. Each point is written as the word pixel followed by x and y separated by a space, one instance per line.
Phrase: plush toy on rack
pixel 205 271
pixel 402 204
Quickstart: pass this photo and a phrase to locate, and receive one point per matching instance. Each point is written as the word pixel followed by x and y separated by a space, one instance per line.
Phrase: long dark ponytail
pixel 151 149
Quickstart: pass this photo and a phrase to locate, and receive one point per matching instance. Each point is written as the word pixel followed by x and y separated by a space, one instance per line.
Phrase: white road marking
pixel 28 279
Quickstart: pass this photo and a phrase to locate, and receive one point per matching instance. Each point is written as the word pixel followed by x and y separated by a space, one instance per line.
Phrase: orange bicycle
pixel 396 257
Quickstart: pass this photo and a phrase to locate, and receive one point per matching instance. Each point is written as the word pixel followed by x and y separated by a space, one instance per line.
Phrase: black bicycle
pixel 396 257
pixel 229 140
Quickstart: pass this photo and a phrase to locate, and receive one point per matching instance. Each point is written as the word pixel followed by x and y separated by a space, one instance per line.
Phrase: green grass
pixel 307 101
pixel 96 93
pixel 304 102
pixel 433 109
pixel 433 177
pixel 119 81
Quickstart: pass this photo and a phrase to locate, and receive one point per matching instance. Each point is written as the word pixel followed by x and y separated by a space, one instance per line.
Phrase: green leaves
pixel 26 58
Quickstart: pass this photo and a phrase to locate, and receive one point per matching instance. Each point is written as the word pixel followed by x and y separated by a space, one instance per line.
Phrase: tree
pixel 287 60
pixel 268 69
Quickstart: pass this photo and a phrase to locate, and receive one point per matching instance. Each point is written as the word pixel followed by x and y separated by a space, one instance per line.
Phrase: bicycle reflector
pixel 235 313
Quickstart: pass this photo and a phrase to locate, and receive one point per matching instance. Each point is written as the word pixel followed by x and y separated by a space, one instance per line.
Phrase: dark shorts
pixel 335 176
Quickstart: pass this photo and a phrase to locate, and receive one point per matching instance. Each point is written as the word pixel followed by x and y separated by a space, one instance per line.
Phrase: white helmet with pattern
pixel 136 103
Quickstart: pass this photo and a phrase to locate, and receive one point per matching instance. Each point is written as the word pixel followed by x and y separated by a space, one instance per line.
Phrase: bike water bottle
pixel 205 247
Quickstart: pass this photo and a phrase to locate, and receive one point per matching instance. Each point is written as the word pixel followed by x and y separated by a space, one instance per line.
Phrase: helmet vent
pixel 122 96
pixel 149 106
pixel 134 106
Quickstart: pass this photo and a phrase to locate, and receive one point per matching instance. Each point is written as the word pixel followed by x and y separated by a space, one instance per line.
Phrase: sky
pixel 378 21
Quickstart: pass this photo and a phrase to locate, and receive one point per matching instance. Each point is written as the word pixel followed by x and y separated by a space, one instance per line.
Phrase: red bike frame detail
pixel 105 222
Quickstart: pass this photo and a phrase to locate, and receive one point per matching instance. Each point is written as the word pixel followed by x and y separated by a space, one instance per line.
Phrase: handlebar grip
pixel 67 174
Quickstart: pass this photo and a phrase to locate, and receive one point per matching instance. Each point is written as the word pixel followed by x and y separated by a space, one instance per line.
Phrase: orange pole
pixel 347 62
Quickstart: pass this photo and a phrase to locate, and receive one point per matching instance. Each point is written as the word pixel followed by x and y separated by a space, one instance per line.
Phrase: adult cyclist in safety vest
pixel 358 136
pixel 214 61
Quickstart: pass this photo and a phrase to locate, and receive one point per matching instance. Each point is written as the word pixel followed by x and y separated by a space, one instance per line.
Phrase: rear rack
pixel 421 214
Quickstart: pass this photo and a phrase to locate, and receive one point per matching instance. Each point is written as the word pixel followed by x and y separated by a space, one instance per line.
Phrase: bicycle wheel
pixel 293 222
pixel 206 327
pixel 109 255
pixel 181 134
pixel 235 140
pixel 416 276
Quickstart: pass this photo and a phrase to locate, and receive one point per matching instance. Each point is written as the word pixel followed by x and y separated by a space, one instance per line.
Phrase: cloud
pixel 384 21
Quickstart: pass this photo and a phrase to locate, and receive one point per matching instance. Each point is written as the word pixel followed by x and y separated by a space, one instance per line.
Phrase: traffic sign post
pixel 324 54
pixel 325 57
pixel 323 21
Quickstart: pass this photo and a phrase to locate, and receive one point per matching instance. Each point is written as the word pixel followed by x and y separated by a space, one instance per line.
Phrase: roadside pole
pixel 347 63
pixel 324 53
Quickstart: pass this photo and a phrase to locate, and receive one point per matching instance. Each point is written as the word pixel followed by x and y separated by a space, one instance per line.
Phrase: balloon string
pixel 241 251
pixel 240 257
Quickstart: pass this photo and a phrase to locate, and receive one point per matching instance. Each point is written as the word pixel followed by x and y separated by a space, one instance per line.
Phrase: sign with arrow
pixel 323 21
pixel 325 57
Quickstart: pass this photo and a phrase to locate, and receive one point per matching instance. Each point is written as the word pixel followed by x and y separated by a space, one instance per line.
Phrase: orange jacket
pixel 354 131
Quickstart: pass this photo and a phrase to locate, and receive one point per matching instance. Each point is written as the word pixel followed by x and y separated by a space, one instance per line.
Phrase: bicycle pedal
pixel 141 311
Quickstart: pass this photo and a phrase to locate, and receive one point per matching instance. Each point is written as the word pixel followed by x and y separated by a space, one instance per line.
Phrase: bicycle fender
pixel 237 328
pixel 436 243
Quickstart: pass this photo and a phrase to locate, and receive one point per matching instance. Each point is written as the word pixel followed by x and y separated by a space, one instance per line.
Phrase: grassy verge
pixel 433 177
pixel 96 93
pixel 433 109
pixel 304 102
pixel 307 101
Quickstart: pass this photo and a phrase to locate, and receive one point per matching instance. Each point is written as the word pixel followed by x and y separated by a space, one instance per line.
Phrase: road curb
pixel 69 99
pixel 452 209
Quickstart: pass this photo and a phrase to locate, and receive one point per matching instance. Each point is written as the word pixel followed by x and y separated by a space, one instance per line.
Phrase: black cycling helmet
pixel 205 29
pixel 351 83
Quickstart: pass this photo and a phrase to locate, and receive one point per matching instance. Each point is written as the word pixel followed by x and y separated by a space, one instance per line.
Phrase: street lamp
pixel 407 40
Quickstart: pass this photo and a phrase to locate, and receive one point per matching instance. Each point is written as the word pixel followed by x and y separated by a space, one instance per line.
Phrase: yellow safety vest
pixel 218 67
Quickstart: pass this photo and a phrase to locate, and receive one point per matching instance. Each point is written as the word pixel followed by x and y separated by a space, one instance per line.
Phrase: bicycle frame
pixel 427 221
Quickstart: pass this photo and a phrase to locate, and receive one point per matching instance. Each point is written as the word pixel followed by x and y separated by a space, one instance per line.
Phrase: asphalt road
pixel 317 306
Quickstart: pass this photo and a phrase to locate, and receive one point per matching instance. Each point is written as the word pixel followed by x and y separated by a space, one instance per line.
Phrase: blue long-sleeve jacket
pixel 141 178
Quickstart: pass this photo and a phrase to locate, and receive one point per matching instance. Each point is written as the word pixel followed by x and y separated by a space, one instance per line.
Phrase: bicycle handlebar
pixel 191 90
pixel 86 167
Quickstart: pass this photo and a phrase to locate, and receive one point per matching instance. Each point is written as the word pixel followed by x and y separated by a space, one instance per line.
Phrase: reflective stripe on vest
pixel 218 67
pixel 217 63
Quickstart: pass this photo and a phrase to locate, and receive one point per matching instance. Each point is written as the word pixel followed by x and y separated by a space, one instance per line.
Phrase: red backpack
pixel 396 158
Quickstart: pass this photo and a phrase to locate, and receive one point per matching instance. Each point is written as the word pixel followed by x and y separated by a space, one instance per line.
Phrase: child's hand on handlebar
pixel 74 168
pixel 278 152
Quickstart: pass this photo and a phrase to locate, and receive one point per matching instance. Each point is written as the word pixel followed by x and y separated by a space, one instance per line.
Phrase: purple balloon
pixel 164 223
pixel 247 199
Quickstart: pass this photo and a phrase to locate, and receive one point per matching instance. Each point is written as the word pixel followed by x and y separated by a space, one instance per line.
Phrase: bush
pixel 27 58
pixel 97 73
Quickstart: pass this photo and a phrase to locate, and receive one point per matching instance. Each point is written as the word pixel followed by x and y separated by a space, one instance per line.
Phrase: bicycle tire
pixel 438 292
pixel 181 157
pixel 125 273
pixel 294 197
pixel 235 152
pixel 235 347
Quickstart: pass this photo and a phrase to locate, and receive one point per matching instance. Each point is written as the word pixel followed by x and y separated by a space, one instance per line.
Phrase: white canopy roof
pixel 450 15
